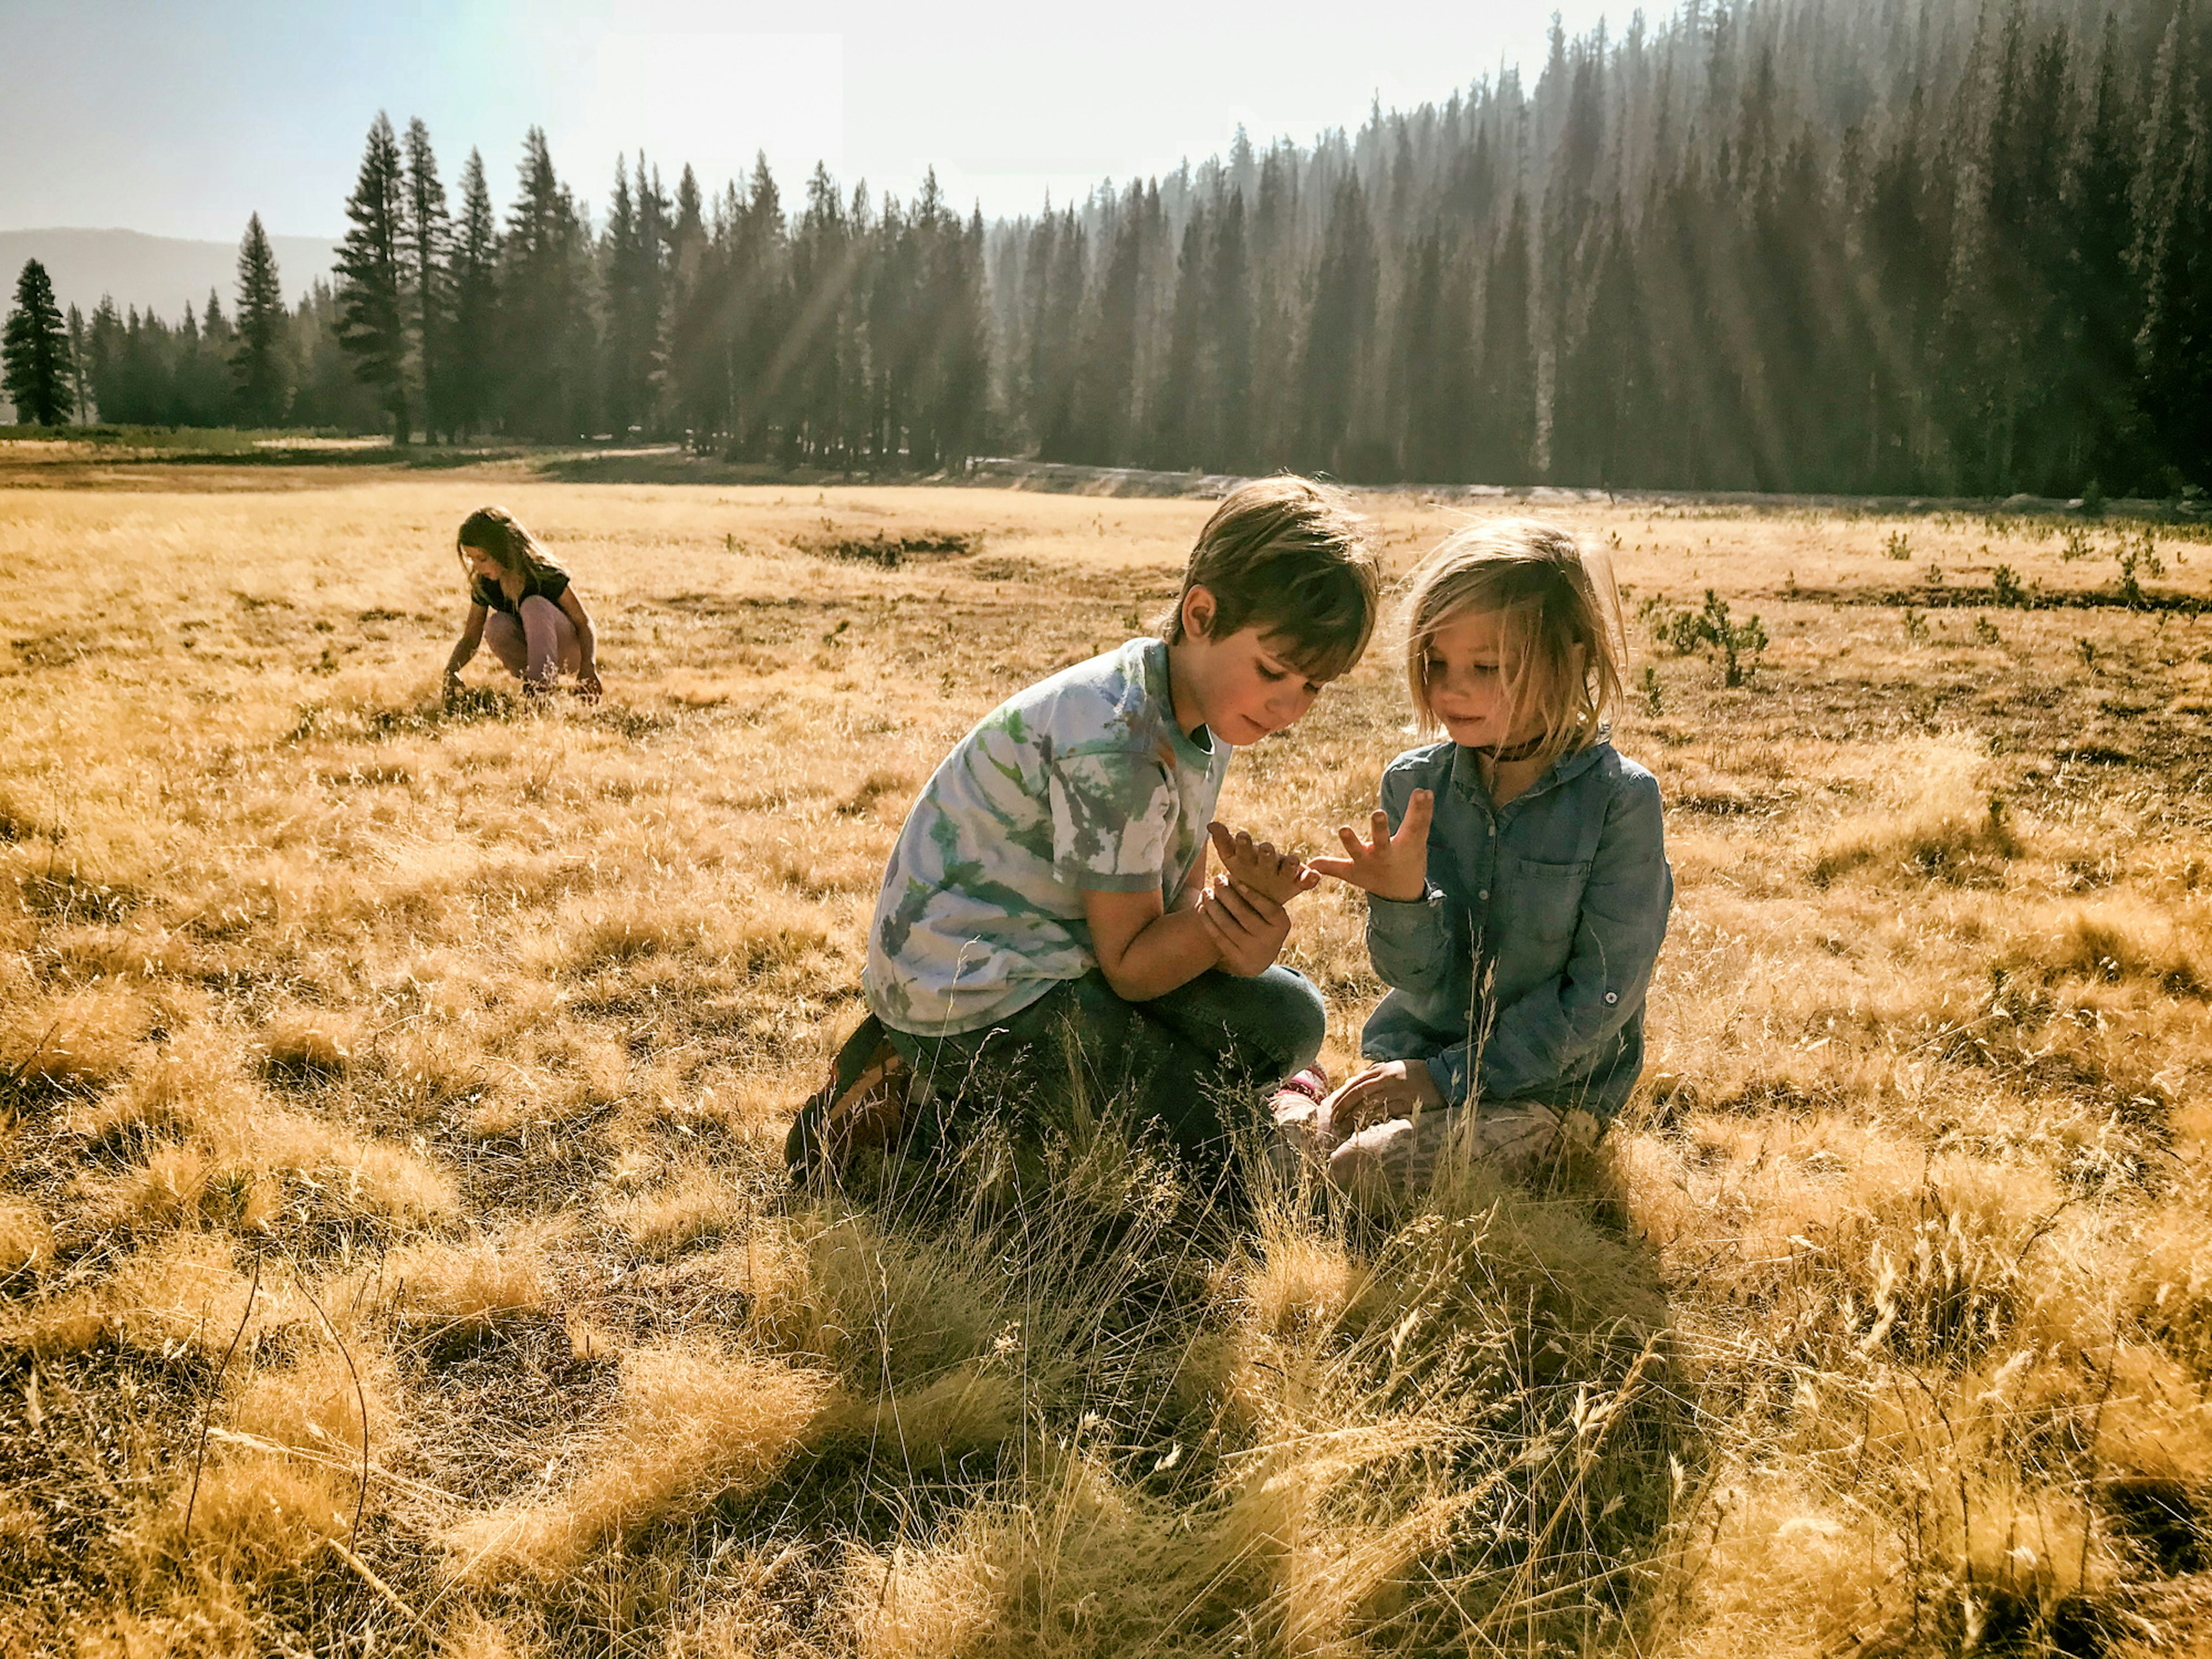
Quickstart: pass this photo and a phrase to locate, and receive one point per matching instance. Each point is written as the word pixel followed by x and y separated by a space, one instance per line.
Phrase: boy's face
pixel 1242 687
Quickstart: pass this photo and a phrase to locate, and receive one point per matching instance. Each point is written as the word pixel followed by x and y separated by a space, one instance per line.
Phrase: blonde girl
pixel 522 605
pixel 1516 874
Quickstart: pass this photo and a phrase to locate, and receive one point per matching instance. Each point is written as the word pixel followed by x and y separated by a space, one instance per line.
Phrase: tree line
pixel 259 363
pixel 1905 246
pixel 1936 246
pixel 851 334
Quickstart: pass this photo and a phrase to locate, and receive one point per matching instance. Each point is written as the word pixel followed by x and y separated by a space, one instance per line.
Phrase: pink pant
pixel 541 645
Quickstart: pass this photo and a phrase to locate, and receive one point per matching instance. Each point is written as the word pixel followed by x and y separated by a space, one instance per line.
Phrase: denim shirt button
pixel 1613 996
pixel 1484 895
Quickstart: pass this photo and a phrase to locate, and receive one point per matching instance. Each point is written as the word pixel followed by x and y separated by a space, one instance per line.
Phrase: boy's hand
pixel 1259 868
pixel 1390 1088
pixel 1389 867
pixel 1248 928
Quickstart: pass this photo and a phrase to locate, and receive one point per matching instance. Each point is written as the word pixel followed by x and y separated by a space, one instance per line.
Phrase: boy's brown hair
pixel 1290 556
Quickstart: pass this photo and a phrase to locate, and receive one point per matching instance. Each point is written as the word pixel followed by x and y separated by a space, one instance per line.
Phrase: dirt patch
pixel 915 547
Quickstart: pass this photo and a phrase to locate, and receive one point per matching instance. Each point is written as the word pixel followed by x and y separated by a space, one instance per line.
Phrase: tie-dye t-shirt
pixel 1082 782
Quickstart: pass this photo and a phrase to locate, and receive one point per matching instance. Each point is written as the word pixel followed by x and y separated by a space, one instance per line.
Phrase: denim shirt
pixel 1520 974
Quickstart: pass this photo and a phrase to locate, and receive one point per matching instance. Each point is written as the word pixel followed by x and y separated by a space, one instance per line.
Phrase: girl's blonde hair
pixel 497 533
pixel 1563 647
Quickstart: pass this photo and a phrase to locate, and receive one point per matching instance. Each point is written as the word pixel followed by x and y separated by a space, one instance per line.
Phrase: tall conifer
pixel 36 352
pixel 429 234
pixel 257 355
pixel 371 275
pixel 545 346
pixel 472 355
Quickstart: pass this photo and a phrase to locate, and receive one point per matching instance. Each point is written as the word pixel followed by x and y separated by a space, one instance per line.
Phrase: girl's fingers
pixel 1419 811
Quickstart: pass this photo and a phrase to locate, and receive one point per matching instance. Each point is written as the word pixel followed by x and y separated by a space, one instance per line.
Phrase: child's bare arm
pixel 465 646
pixel 1144 949
pixel 1276 876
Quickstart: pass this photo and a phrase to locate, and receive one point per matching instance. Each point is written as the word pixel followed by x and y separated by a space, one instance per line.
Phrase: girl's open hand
pixel 1389 867
pixel 1257 865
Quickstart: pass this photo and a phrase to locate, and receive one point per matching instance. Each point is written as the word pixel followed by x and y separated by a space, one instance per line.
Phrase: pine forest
pixel 1894 247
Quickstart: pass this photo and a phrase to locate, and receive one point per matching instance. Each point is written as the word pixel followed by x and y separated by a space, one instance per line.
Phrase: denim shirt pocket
pixel 1544 900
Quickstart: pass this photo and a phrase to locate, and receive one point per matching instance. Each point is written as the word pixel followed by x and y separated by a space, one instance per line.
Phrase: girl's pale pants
pixel 541 645
pixel 1397 1158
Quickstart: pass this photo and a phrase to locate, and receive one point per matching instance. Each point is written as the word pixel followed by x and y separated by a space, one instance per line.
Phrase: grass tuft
pixel 689 1425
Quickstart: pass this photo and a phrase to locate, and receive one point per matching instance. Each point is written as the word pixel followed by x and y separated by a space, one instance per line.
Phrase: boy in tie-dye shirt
pixel 1048 928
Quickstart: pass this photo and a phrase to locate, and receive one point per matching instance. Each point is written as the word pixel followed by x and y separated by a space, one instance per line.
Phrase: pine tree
pixel 696 379
pixel 1427 339
pixel 1337 333
pixel 962 324
pixel 1058 249
pixel 428 235
pixel 2175 343
pixel 2097 299
pixel 80 388
pixel 106 341
pixel 371 275
pixel 36 352
pixel 1106 376
pixel 825 266
pixel 1505 449
pixel 202 391
pixel 257 358
pixel 628 366
pixel 1176 404
pixel 471 354
pixel 2173 259
pixel 1226 417
pixel 755 278
pixel 545 319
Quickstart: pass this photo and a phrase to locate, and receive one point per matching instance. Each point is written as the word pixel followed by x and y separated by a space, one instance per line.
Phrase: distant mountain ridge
pixel 162 274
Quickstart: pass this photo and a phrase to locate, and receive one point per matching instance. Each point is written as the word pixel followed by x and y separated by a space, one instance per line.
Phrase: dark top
pixel 546 581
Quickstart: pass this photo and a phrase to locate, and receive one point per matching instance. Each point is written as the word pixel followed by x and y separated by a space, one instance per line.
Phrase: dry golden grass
pixel 391 1100
pixel 689 1426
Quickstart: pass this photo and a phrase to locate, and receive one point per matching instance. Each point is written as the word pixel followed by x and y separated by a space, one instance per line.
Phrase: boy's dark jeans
pixel 1178 1060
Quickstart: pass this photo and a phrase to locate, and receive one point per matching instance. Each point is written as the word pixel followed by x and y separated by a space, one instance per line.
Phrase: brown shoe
pixel 861 1108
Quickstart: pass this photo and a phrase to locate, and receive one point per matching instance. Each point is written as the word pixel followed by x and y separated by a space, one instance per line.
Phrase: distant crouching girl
pixel 522 605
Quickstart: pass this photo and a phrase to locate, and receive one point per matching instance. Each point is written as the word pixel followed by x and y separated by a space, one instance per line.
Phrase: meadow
pixel 396 1255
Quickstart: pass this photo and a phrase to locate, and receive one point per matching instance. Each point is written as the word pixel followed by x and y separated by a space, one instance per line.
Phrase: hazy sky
pixel 181 118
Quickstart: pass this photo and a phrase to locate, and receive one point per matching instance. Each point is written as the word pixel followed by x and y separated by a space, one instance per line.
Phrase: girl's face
pixel 1473 678
pixel 483 564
